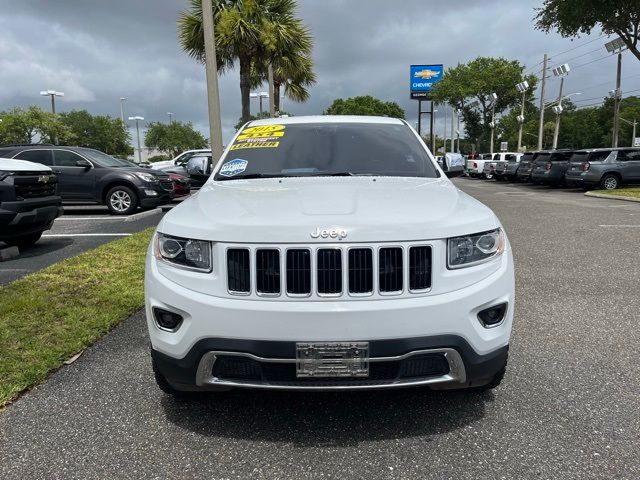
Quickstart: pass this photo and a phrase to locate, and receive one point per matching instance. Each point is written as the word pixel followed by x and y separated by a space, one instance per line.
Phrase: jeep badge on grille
pixel 329 233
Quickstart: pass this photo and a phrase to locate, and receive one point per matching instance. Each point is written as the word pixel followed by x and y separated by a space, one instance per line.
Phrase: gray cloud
pixel 97 52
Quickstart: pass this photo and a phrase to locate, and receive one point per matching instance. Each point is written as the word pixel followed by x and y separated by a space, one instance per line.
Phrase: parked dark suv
pixel 550 166
pixel 607 168
pixel 90 176
pixel 525 167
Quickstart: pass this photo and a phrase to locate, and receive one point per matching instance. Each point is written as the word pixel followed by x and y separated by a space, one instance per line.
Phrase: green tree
pixel 101 132
pixel 573 17
pixel 31 125
pixel 248 31
pixel 464 85
pixel 173 138
pixel 365 105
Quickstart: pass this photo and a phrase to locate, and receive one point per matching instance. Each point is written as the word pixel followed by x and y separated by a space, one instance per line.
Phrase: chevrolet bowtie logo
pixel 43 179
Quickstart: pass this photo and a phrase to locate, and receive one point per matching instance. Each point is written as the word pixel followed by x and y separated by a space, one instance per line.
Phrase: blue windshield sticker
pixel 233 167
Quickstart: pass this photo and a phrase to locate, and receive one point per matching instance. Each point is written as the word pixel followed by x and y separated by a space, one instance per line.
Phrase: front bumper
pixel 28 216
pixel 269 330
pixel 161 196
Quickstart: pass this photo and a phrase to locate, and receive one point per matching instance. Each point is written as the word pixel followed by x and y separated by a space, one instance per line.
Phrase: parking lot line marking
pixel 147 213
pixel 87 235
pixel 620 226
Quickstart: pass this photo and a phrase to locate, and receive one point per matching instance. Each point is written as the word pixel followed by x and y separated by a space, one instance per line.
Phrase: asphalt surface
pixel 567 409
pixel 79 229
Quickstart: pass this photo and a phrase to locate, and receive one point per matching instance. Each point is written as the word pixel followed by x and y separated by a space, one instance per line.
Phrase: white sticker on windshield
pixel 233 167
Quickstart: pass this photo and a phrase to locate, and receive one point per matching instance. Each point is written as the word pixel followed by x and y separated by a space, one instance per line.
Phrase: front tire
pixel 121 200
pixel 610 181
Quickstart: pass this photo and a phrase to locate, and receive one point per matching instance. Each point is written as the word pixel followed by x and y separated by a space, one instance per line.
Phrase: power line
pixel 577 46
pixel 593 61
pixel 580 56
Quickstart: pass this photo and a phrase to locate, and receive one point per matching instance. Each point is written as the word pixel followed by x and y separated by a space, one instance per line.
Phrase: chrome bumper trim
pixel 457 373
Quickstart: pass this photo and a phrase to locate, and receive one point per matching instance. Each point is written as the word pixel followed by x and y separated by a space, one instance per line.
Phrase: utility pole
pixel 558 110
pixel 431 129
pixel 634 124
pixel 444 137
pixel 616 105
pixel 542 85
pixel 494 99
pixel 211 67
pixel 122 100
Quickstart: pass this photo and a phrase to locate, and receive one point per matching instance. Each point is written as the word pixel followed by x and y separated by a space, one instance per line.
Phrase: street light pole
pixel 170 117
pixel 522 87
pixel 122 100
pixel 53 94
pixel 494 99
pixel 616 45
pixel 211 67
pixel 561 71
pixel 458 111
pixel 452 146
pixel 137 119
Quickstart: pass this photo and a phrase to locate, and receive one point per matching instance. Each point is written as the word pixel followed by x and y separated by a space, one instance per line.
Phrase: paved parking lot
pixel 80 228
pixel 568 407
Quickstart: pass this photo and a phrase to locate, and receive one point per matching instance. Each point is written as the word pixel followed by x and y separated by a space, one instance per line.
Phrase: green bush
pixel 159 158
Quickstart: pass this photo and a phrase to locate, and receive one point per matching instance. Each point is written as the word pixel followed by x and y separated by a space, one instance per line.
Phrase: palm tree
pixel 246 30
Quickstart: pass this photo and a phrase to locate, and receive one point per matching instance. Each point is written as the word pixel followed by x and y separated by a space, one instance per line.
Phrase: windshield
pixel 316 149
pixel 527 157
pixel 105 160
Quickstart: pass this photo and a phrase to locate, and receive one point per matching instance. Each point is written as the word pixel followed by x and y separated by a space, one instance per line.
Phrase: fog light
pixel 166 320
pixel 150 193
pixel 493 315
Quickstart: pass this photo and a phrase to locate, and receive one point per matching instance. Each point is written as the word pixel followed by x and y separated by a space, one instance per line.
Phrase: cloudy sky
pixel 96 51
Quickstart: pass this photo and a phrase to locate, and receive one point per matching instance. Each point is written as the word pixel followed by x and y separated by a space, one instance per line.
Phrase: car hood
pixel 9 164
pixel 289 210
pixel 141 170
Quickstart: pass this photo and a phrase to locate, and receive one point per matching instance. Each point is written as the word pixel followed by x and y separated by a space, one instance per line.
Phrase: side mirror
pixel 83 163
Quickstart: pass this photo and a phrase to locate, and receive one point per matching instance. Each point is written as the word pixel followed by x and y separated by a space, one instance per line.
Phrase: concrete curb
pixel 612 197
pixel 147 213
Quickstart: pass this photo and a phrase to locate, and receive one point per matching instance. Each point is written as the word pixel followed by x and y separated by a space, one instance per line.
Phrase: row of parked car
pixel 606 168
pixel 36 179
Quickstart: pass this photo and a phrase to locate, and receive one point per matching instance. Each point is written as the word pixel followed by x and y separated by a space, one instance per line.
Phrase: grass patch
pixel 633 192
pixel 50 315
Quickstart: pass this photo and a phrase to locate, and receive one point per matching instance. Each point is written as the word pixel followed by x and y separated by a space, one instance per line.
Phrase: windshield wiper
pixel 249 176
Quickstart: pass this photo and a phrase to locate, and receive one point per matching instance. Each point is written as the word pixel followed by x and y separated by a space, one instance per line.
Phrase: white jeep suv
pixel 329 253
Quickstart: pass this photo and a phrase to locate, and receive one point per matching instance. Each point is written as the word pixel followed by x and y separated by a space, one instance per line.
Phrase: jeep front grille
pixel 390 270
pixel 238 271
pixel 268 272
pixel 335 271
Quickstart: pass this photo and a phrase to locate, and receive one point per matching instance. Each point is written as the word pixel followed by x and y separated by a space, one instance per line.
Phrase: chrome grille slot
pixel 268 272
pixel 329 269
pixel 390 270
pixel 238 271
pixel 419 268
pixel 360 271
pixel 298 272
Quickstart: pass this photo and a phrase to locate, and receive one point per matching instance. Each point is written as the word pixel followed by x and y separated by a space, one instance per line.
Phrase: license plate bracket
pixel 332 359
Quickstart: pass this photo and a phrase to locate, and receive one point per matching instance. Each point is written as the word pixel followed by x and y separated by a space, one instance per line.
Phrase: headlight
pixel 183 252
pixel 147 177
pixel 474 249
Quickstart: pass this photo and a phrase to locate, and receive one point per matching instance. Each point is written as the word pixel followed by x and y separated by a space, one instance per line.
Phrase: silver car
pixel 607 168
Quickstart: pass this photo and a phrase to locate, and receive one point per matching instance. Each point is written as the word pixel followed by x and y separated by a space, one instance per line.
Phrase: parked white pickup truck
pixel 475 167
pixel 332 253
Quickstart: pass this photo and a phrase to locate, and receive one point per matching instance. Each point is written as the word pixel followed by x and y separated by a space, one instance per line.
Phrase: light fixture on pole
pixel 53 94
pixel 616 46
pixel 560 71
pixel 122 100
pixel 522 88
pixel 492 124
pixel 170 117
pixel 138 119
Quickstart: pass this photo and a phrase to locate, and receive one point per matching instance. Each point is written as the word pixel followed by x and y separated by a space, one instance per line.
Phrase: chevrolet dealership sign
pixel 422 79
